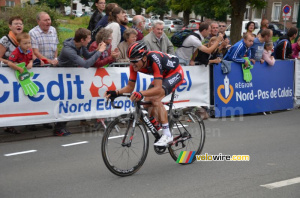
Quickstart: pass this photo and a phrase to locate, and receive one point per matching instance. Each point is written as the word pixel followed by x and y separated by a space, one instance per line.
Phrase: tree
pixel 137 5
pixel 157 7
pixel 216 10
pixel 56 4
pixel 185 6
pixel 237 16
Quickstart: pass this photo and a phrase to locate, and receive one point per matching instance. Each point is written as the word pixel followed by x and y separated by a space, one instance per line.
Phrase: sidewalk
pixel 73 126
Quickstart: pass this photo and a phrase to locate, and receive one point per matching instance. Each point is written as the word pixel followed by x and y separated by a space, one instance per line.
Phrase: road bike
pixel 125 142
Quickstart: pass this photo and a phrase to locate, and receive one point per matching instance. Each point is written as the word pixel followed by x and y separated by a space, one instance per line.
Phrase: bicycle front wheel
pixel 189 135
pixel 124 150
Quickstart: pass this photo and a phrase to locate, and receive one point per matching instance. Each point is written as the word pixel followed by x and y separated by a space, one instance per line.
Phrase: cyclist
pixel 168 75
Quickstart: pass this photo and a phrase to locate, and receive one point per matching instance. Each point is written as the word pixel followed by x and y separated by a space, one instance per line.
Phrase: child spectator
pixel 267 54
pixel 23 53
pixel 283 50
pixel 296 49
pixel 107 56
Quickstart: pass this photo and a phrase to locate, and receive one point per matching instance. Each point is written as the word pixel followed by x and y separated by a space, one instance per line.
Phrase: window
pixel 257 13
pixel 247 13
pixel 276 11
pixel 295 11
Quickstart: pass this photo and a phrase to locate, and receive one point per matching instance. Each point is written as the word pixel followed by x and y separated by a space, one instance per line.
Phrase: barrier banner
pixel 297 82
pixel 271 89
pixel 77 93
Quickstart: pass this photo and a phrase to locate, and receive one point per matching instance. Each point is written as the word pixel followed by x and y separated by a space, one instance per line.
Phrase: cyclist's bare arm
pixel 128 88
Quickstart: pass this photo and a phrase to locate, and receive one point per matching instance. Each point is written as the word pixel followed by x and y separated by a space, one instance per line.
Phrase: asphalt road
pixel 52 170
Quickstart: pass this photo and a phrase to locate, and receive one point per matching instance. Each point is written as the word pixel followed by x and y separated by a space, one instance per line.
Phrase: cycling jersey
pixel 162 66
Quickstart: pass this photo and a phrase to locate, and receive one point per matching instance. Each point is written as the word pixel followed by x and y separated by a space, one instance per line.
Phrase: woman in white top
pixel 117 17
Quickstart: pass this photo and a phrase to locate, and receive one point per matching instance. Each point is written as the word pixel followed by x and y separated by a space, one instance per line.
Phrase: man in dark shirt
pixel 97 15
pixel 283 49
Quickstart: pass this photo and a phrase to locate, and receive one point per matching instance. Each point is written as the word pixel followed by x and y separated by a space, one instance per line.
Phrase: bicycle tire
pixel 195 127
pixel 124 160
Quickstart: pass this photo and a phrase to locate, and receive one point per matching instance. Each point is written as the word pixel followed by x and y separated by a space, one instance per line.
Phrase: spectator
pixel 240 50
pixel 192 43
pixel 23 53
pixel 157 40
pixel 296 49
pixel 263 25
pixel 267 53
pixel 108 9
pixel 213 31
pixel 250 27
pixel 8 43
pixel 257 48
pixel 117 17
pixel 138 23
pixel 44 39
pixel 204 58
pixel 71 56
pixel 222 29
pixel 107 56
pixel 283 48
pixel 130 36
pixel 97 15
pixel 123 27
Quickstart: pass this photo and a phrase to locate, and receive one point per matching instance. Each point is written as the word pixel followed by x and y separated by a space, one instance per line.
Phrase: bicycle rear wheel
pixel 189 135
pixel 124 151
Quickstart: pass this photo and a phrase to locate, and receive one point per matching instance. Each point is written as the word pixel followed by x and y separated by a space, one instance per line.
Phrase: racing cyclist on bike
pixel 168 75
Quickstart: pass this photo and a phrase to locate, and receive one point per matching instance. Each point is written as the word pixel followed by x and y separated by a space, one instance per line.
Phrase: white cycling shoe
pixel 164 140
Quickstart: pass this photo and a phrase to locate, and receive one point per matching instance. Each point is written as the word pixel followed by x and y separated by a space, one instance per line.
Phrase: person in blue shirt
pixel 257 48
pixel 241 49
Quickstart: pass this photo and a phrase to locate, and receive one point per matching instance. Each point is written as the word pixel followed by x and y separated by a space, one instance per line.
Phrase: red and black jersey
pixel 158 64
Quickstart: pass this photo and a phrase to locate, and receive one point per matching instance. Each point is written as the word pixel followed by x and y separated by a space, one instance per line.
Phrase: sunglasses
pixel 135 61
pixel 222 25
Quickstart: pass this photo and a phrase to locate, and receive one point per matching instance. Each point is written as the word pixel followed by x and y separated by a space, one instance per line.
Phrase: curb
pixel 74 127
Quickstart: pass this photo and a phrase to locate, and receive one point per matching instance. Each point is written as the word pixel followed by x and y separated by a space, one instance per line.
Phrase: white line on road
pixel 282 183
pixel 20 153
pixel 76 143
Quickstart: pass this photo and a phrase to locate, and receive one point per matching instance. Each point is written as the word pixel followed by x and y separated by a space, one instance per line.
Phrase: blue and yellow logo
pixel 228 91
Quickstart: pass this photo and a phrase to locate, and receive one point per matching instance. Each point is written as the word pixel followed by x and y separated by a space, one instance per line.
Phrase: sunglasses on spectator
pixel 136 60
pixel 222 25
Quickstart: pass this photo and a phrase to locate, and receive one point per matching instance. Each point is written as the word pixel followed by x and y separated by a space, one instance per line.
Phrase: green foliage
pixel 28 14
pixel 157 7
pixel 216 10
pixel 55 3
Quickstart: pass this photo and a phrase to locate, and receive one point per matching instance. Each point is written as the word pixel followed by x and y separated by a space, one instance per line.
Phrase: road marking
pixel 282 183
pixel 113 137
pixel 20 153
pixel 76 143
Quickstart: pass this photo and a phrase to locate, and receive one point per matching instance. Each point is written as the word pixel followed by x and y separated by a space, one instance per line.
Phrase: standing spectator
pixel 104 20
pixel 225 45
pixel 257 48
pixel 267 53
pixel 250 27
pixel 117 17
pixel 283 49
pixel 263 25
pixel 44 39
pixel 240 50
pixel 44 42
pixel 214 30
pixel 97 15
pixel 192 43
pixel 138 23
pixel 222 29
pixel 130 36
pixel 8 43
pixel 75 53
pixel 107 56
pixel 157 40
pixel 296 49
pixel 123 27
